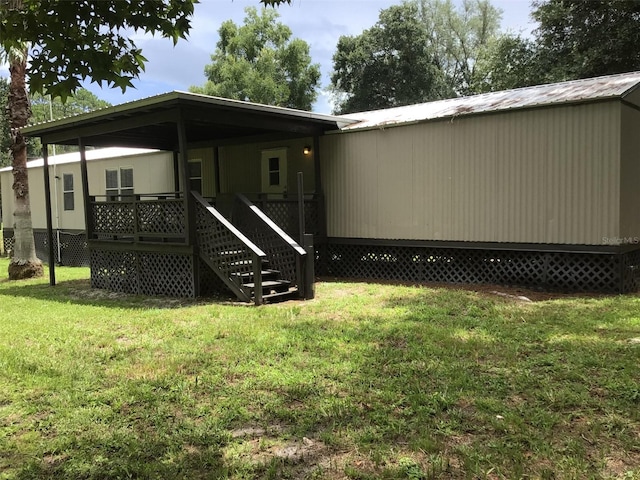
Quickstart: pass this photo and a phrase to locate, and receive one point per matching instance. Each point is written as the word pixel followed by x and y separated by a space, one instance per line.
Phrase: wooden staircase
pixel 274 287
pixel 253 274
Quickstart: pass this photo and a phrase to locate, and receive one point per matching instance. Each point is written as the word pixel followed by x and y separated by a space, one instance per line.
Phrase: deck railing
pixel 283 253
pixel 160 217
pixel 138 218
pixel 229 253
pixel 282 209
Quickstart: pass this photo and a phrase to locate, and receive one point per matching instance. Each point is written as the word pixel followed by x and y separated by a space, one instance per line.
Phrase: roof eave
pixel 177 98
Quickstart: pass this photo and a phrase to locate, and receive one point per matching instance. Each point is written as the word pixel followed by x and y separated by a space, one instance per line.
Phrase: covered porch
pixel 232 218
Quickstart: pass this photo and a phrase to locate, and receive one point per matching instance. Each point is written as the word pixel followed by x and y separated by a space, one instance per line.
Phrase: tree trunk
pixel 25 263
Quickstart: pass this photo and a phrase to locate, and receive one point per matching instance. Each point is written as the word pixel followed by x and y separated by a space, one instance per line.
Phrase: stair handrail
pixel 247 262
pixel 283 252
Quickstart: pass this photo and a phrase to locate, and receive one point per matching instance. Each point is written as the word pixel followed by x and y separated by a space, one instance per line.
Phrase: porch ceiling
pixel 152 122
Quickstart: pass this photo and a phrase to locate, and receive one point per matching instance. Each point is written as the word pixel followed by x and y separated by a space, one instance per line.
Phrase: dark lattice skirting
pixel 547 270
pixel 73 246
pixel 146 273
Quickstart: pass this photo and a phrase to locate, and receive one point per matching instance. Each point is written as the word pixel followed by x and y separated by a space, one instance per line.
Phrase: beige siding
pixel 536 176
pixel 630 176
pixel 240 165
pixel 7 199
pixel 152 173
pixel 633 96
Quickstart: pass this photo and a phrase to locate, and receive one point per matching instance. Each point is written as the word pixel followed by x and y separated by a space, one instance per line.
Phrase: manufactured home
pixel 535 186
pixel 110 170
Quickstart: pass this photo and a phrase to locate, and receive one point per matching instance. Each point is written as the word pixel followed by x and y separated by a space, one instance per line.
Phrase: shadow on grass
pixel 79 292
pixel 480 382
pixel 432 384
pixel 131 456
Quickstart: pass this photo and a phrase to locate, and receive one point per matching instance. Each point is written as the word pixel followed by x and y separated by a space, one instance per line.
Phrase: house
pixel 533 186
pixel 115 167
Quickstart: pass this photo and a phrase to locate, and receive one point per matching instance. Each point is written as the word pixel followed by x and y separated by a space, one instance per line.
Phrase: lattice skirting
pixel 73 246
pixel 547 270
pixel 211 285
pixel 143 273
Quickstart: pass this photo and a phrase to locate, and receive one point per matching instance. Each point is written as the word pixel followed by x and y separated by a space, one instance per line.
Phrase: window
pixel 126 182
pixel 67 191
pixel 274 170
pixel 195 175
pixel 119 183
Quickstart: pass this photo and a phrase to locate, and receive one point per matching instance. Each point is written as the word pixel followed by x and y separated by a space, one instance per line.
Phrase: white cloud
pixel 319 22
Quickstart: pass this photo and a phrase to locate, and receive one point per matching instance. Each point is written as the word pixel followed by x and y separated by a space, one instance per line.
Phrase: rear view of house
pixel 534 186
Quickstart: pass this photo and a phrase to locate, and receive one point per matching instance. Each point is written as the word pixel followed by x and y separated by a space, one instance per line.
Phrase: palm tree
pixel 24 263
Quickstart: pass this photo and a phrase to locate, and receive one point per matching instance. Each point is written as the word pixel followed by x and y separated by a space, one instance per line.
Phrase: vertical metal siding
pixel 240 165
pixel 537 176
pixel 630 176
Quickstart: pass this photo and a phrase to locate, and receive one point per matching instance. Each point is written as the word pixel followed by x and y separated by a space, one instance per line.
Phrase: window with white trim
pixel 67 191
pixel 119 183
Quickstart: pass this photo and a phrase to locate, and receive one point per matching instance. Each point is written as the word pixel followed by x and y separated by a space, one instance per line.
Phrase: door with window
pixel 274 170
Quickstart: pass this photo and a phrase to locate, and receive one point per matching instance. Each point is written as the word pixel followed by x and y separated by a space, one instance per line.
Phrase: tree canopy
pixel 510 61
pixel 459 37
pixel 45 108
pixel 581 39
pixel 419 50
pixel 260 62
pixel 574 39
pixel 88 39
pixel 388 65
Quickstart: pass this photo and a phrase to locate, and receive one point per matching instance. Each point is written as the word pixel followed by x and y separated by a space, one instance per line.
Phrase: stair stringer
pixel 227 251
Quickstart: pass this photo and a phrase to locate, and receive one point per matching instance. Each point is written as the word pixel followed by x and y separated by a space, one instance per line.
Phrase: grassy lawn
pixel 368 381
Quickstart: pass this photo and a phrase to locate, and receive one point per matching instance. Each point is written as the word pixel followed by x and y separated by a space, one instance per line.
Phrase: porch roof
pixel 151 122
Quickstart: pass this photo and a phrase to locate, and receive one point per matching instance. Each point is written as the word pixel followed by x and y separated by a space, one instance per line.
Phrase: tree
pixel 89 39
pixel 563 47
pixel 459 37
pixel 45 108
pixel 259 62
pixel 510 61
pixel 5 158
pixel 387 65
pixel 580 39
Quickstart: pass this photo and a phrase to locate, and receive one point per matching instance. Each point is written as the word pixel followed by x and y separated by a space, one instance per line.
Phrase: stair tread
pixel 280 296
pixel 269 283
pixel 250 274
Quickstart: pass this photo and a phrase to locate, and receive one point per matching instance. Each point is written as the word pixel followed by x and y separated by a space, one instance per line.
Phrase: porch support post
pixel 189 203
pixel 88 217
pixel 322 217
pixel 176 173
pixel 47 196
pixel 316 164
pixel 216 168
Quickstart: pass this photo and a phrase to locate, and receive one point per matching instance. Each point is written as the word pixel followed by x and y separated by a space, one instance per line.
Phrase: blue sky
pixel 319 22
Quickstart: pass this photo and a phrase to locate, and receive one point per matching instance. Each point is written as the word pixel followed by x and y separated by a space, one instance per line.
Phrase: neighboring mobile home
pixel 534 186
pixel 118 168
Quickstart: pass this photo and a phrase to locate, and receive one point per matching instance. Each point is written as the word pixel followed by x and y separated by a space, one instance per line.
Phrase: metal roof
pixel 612 86
pixel 74 157
pixel 151 122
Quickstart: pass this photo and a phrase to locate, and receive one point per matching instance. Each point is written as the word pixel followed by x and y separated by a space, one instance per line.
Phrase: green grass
pixel 367 381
